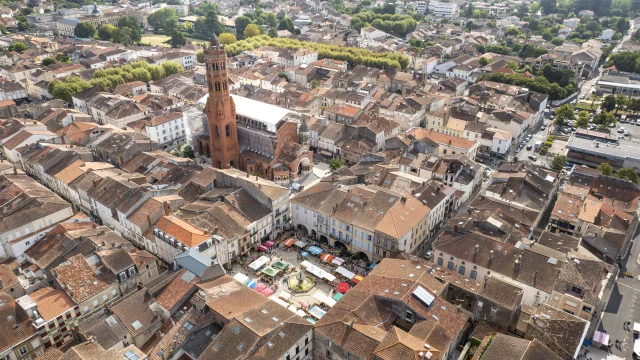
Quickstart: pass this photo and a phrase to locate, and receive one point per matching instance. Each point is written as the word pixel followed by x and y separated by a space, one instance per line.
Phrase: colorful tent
pixel 356 279
pixel 343 287
pixel 266 292
pixel 304 253
pixel 327 257
pixel 269 243
pixel 251 284
pixel 268 270
pixel 263 248
pixel 337 296
pixel 290 242
pixel 315 250
pixel 346 273
pixel 280 265
pixel 337 261
pixel 259 287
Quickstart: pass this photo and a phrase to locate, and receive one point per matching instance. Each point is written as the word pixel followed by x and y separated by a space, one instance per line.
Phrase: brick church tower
pixel 220 109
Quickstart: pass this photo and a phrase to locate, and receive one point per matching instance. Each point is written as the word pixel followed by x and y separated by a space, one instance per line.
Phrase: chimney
pixel 449 141
pixel 403 199
pixel 485 283
pixel 475 249
pixel 149 221
pixel 455 229
pixel 140 285
pixel 490 254
pixel 166 208
pixel 535 277
pixel 438 190
pixel 15 170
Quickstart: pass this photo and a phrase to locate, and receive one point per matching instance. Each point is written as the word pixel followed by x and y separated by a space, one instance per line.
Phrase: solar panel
pixel 423 296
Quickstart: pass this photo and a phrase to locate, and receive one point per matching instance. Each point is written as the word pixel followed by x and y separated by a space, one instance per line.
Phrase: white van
pixel 636 349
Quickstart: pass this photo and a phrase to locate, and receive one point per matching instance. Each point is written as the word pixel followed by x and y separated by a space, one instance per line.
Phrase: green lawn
pixel 586 105
pixel 158 40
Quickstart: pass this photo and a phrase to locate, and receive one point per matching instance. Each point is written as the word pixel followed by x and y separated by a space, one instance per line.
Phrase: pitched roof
pixel 135 313
pixel 184 283
pixel 182 230
pixel 80 280
pixel 441 138
pixel 51 302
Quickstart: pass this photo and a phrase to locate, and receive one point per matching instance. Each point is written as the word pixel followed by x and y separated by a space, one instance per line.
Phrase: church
pixel 249 135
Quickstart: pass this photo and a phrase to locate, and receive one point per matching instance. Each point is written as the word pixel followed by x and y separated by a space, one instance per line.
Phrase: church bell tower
pixel 220 109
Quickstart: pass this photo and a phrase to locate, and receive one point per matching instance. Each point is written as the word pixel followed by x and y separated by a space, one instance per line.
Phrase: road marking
pixel 630 287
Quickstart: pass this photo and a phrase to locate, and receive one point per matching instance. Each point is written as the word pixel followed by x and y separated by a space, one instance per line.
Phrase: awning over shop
pixel 326 153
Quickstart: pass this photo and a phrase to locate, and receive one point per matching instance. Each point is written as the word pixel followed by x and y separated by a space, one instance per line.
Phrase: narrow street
pixel 624 304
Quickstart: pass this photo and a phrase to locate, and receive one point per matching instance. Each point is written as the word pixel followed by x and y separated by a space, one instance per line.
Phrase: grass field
pixel 586 105
pixel 158 40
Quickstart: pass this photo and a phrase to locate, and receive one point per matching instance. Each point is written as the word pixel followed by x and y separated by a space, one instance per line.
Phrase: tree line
pixel 396 23
pixel 354 56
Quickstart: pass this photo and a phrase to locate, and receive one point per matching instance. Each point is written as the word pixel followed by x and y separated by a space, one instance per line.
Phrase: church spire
pixel 214 40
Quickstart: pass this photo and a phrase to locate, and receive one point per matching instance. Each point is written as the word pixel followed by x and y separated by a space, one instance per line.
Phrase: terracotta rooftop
pixel 182 230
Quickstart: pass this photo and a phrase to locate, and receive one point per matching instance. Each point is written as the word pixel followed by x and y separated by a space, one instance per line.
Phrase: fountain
pixel 300 282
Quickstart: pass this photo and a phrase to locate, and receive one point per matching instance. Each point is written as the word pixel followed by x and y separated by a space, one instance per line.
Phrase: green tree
pixel 271 20
pixel 18 47
pixel 165 19
pixel 563 114
pixel 227 38
pixel 48 61
pixel 177 39
pixel 273 32
pixel 187 152
pixel 606 169
pixel 172 67
pixel 105 31
pixel 130 30
pixel 63 58
pixel 241 23
pixel 484 61
pixel 621 102
pixel 200 56
pixel 336 163
pixel 512 31
pixel 122 36
pixel 608 103
pixel 314 84
pixel 286 24
pixel 558 162
pixel 557 41
pixel 84 30
pixel 583 119
pixel 141 74
pixel 157 72
pixel 627 174
pixel 251 30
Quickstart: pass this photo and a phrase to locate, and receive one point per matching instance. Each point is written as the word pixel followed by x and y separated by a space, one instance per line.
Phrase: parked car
pixel 533 157
pixel 529 147
pixel 621 130
pixel 543 127
pixel 627 133
pixel 428 255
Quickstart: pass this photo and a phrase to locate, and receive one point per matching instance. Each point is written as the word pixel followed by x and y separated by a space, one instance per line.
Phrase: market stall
pixel 343 287
pixel 337 296
pixel 327 257
pixel 318 295
pixel 601 338
pixel 260 262
pixel 300 244
pixel 289 242
pixel 337 261
pixel 316 312
pixel 304 254
pixel 315 250
pixel 345 273
pixel 241 277
pixel 280 264
pixel 356 279
pixel 269 271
